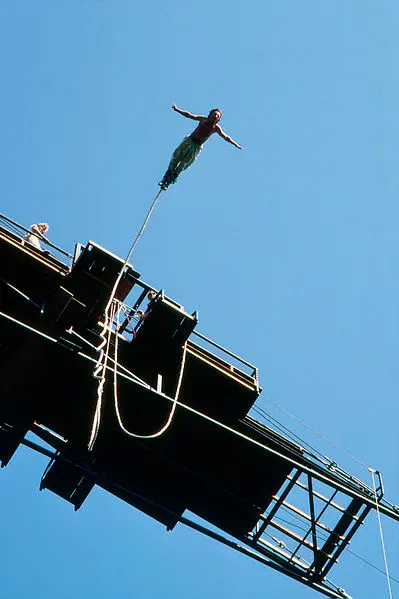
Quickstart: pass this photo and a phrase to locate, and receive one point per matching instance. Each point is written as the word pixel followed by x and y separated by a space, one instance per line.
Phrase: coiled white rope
pixel 174 403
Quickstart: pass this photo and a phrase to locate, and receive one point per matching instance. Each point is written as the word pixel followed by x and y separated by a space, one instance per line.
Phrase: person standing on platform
pixel 37 234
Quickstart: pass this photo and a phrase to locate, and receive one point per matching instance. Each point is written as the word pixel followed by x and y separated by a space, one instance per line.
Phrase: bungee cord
pixel 101 365
pixel 319 435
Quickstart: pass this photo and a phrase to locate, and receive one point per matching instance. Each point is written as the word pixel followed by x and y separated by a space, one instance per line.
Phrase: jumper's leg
pixel 182 158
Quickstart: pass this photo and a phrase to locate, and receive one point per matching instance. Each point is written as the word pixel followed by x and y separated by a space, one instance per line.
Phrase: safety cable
pixel 318 434
pixel 294 437
pixel 323 459
pixel 269 418
pixel 372 565
pixel 373 472
pixel 288 436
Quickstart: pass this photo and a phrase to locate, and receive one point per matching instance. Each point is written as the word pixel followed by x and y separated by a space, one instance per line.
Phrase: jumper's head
pixel 215 115
pixel 43 227
pixel 151 294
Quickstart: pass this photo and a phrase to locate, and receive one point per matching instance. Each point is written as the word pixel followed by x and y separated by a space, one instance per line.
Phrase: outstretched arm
pixel 188 115
pixel 227 137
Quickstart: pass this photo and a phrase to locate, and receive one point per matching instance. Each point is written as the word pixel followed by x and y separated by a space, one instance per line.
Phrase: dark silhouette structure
pixel 212 459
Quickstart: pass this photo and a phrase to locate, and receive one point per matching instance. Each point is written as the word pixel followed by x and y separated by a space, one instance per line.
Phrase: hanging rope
pixel 174 403
pixel 373 472
pixel 101 365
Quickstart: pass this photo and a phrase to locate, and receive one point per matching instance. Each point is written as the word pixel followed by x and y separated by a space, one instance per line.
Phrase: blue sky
pixel 287 248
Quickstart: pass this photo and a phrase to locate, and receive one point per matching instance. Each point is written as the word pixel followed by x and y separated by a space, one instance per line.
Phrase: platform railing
pixel 253 371
pixel 218 352
pixel 22 232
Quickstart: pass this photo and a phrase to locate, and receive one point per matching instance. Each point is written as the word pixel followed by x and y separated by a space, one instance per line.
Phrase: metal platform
pixel 213 460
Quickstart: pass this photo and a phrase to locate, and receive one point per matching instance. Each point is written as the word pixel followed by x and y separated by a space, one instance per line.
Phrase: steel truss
pixel 304 530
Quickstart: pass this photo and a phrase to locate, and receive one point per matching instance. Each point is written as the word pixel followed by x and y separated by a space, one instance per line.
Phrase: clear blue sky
pixel 288 248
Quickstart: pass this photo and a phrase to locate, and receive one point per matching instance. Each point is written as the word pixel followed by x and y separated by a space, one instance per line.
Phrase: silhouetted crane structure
pixel 213 460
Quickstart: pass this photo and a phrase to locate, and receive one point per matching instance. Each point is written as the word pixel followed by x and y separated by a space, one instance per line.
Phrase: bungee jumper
pixel 191 146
